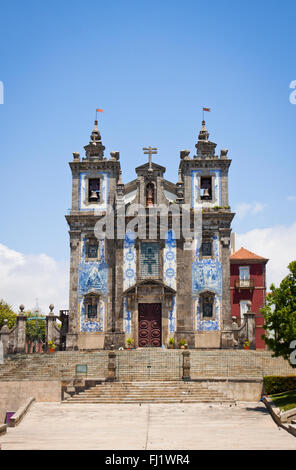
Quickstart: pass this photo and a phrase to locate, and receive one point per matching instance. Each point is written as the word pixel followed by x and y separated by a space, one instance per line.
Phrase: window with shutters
pixel 91 302
pixel 207 305
pixel 92 249
pixel 92 311
pixel 206 249
pixel 245 305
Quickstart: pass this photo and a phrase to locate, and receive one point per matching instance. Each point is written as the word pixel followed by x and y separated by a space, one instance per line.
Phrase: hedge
pixel 276 384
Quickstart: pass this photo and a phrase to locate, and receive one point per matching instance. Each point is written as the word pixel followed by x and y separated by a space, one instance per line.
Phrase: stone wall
pixel 13 394
pixel 238 389
pixel 238 363
pixel 58 365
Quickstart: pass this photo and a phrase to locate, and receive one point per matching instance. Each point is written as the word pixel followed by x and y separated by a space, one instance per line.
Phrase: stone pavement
pixel 148 426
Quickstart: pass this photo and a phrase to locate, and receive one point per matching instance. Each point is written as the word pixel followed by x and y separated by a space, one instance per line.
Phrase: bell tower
pixel 203 185
pixel 95 181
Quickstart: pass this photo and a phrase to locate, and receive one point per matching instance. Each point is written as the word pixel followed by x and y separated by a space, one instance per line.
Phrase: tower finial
pixel 95 148
pixel 205 148
pixel 204 134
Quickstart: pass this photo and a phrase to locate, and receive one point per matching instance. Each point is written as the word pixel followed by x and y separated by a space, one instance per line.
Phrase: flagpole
pixel 98 110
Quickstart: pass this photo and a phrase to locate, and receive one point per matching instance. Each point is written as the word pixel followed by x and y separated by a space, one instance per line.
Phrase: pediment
pixel 155 166
pixel 149 284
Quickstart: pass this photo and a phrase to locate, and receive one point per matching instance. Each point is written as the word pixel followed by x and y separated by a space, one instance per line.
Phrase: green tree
pixel 6 313
pixel 280 315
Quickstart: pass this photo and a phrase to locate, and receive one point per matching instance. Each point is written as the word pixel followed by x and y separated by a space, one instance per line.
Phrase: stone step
pixel 156 393
pixel 154 400
pixel 102 387
pixel 139 395
pixel 159 390
pixel 147 392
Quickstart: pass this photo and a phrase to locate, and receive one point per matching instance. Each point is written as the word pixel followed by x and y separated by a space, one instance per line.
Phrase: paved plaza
pixel 148 426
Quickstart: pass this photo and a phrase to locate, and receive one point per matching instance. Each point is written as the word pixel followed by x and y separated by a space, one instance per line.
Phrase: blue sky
pixel 151 66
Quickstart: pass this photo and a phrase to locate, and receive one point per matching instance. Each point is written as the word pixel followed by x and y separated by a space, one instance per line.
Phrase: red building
pixel 248 288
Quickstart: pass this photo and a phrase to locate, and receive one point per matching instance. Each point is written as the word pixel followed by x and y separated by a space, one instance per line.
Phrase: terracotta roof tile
pixel 243 254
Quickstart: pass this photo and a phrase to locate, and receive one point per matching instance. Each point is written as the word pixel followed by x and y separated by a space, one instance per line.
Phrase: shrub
pixel 129 341
pixel 275 384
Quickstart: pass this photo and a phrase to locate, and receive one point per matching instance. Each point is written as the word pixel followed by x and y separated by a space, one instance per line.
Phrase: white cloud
pixel 258 207
pixel 277 243
pixel 27 277
pixel 291 198
pixel 244 208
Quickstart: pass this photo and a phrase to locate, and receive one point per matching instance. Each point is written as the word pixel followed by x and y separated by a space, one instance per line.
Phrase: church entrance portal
pixel 149 325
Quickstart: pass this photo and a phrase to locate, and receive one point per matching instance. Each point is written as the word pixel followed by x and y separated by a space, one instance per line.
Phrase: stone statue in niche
pixel 149 194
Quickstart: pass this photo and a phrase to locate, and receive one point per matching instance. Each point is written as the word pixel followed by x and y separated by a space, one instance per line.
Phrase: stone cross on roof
pixel 150 151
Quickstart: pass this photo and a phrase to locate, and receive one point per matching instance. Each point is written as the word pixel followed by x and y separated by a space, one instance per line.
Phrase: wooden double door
pixel 149 325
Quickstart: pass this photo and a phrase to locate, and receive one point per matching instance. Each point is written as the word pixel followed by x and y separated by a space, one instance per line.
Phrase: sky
pixel 151 66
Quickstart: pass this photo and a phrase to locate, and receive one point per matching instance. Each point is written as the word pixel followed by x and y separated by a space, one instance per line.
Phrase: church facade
pixel 150 258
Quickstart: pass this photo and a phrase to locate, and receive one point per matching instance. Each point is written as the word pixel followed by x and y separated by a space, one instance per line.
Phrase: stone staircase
pixel 150 392
pixel 144 365
pixel 55 366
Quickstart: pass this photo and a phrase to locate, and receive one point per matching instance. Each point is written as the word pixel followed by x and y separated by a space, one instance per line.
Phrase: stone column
pixel 5 336
pixel 115 334
pixel 111 366
pixel 225 253
pixel 227 339
pixel 50 326
pixel 184 329
pixel 249 318
pixel 119 335
pixel 109 259
pixel 186 365
pixel 72 335
pixel 1 352
pixel 21 321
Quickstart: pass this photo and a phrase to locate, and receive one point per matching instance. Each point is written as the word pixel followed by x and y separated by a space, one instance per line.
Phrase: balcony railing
pixel 244 283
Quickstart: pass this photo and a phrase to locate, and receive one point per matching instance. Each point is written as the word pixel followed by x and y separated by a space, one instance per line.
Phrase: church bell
pixel 93 195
